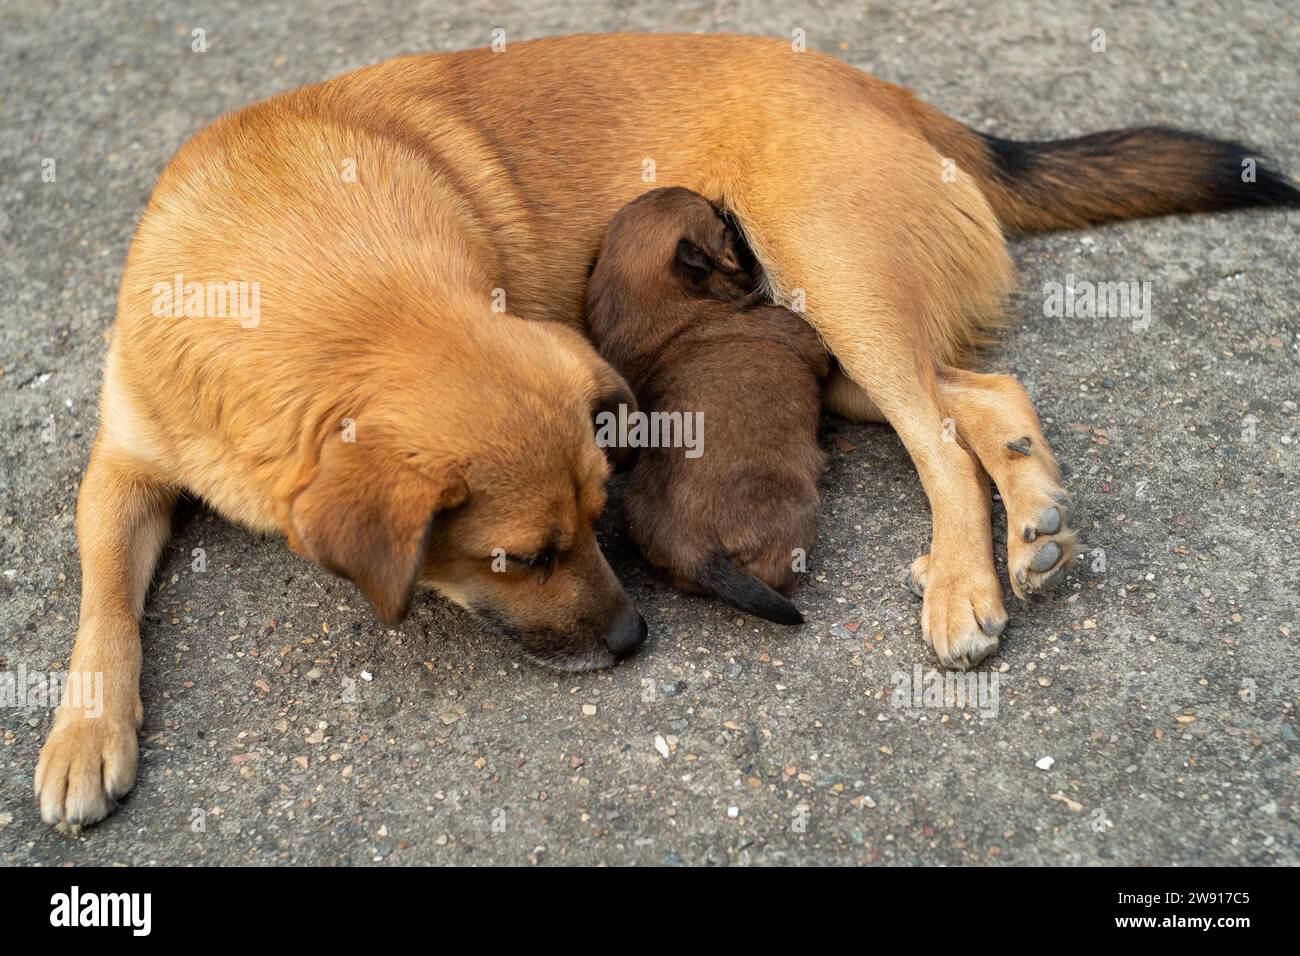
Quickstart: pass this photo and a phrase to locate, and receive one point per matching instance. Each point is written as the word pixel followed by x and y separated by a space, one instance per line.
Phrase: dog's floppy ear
pixel 611 392
pixel 369 521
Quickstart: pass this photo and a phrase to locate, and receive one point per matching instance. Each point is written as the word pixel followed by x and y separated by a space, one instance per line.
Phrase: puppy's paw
pixel 85 766
pixel 962 614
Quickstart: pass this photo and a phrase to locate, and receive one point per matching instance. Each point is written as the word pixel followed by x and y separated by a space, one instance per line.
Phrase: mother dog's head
pixel 473 469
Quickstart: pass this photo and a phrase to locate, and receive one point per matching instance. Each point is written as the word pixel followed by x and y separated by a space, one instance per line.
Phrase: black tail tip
pixel 1134 172
pixel 1237 175
pixel 741 589
pixel 782 611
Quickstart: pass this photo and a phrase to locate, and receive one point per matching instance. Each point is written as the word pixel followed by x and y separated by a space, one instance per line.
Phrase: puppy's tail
pixel 721 576
pixel 1120 174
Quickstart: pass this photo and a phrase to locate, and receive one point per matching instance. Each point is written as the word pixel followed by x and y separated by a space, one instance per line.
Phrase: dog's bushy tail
pixel 1120 174
pixel 721 576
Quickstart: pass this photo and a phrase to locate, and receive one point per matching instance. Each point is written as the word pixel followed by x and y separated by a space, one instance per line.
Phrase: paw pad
pixel 993 627
pixel 1046 557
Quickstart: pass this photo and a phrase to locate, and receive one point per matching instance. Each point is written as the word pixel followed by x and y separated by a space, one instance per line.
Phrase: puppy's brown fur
pixel 671 308
pixel 482 172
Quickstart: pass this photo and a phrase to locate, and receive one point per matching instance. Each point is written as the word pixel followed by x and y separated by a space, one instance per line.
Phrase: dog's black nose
pixel 627 635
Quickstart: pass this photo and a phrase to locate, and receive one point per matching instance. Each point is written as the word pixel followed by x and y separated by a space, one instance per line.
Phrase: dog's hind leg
pixel 962 614
pixel 996 420
pixel 846 398
pixel 89 760
pixel 883 350
pixel 899 270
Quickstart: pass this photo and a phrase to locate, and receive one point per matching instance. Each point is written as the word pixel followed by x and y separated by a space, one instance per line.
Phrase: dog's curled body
pixel 404 221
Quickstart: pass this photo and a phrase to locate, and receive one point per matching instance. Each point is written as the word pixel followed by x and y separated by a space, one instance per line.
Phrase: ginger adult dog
pixel 385 213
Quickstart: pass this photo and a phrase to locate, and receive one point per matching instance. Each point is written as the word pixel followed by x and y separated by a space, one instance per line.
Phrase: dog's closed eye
pixel 543 561
pixel 538 560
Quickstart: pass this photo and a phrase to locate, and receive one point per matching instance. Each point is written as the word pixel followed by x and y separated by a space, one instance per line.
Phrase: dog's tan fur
pixel 478 171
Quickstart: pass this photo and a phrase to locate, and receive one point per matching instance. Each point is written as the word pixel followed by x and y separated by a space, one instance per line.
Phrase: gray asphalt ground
pixel 1161 680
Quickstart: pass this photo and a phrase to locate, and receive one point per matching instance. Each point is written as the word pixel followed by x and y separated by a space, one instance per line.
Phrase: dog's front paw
pixel 86 765
pixel 961 615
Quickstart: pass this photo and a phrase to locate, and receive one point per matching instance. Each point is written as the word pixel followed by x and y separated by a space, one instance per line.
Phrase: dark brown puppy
pixel 672 308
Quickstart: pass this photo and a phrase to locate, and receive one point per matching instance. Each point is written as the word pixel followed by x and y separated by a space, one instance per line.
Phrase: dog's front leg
pixel 90 757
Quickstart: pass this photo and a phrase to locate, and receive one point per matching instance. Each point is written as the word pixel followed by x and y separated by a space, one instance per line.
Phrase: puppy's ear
pixel 693 260
pixel 728 257
pixel 369 521
pixel 611 392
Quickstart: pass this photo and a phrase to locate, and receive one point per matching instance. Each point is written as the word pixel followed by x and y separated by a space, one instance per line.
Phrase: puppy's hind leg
pixel 89 759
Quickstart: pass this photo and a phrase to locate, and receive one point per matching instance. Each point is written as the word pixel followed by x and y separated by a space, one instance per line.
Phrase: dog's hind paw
pixel 1040 542
pixel 85 766
pixel 962 615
